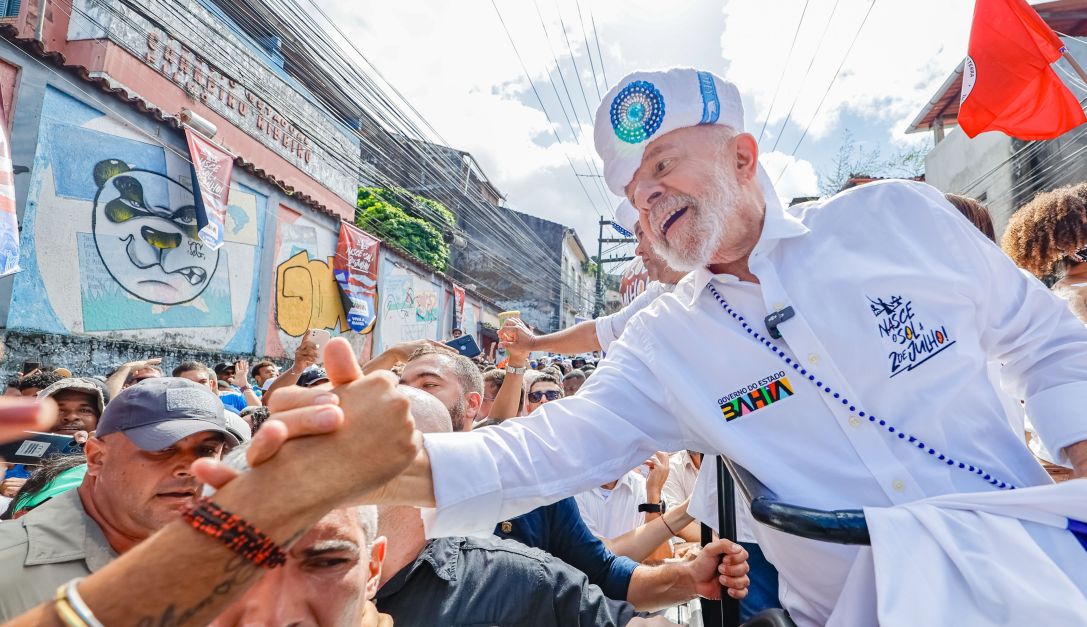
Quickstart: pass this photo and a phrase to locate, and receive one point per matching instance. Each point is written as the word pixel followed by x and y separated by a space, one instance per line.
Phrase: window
pixel 9 8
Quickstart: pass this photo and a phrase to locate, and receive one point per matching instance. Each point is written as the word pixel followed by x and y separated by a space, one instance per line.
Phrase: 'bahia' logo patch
pixel 753 397
pixel 913 342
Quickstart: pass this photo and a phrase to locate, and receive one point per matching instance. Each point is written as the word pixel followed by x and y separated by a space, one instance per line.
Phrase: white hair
pixel 368 521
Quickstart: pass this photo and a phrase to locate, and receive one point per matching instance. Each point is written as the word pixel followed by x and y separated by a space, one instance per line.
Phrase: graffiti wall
pixel 110 245
pixel 306 294
pixel 412 307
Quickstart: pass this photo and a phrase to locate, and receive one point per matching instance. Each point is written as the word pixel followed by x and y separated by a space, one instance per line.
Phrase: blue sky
pixel 454 62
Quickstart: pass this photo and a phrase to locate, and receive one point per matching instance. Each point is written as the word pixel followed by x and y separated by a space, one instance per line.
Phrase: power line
pixel 532 84
pixel 814 56
pixel 588 50
pixel 788 57
pixel 596 37
pixel 179 154
pixel 833 79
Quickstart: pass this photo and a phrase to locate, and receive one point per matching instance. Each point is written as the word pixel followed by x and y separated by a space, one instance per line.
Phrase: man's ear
pixel 377 560
pixel 95 451
pixel 474 400
pixel 746 150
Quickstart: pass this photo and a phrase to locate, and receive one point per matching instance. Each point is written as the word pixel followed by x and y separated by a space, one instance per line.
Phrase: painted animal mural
pixel 109 244
pixel 145 231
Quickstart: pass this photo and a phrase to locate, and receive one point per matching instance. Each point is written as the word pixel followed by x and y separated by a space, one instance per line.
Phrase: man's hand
pixel 517 340
pixel 1077 454
pixel 305 355
pixel 721 563
pixel 10 487
pixel 361 448
pixel 688 551
pixel 658 475
pixel 241 373
pixel 136 366
pixel 19 414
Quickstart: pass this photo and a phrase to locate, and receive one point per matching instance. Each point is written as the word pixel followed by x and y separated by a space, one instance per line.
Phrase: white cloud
pixel 792 177
pixel 902 55
pixel 454 63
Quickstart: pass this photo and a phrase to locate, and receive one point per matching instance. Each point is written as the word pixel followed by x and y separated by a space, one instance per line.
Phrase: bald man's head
pixel 429 413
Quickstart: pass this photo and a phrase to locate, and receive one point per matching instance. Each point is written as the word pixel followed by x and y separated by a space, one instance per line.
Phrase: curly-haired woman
pixel 1048 237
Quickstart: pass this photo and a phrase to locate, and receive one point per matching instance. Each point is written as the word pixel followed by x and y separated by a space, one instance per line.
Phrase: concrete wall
pixel 413 304
pixel 956 163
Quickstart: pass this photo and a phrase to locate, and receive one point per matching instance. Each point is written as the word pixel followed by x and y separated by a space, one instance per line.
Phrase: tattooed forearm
pixel 238 574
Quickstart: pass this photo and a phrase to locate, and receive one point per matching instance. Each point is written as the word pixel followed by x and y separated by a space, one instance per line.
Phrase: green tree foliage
pixel 855 159
pixel 394 216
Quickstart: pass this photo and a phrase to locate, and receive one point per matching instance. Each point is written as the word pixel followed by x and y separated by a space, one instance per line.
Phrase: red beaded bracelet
pixel 242 538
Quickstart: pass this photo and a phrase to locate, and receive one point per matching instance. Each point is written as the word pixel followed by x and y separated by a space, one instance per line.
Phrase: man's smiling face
pixel 685 193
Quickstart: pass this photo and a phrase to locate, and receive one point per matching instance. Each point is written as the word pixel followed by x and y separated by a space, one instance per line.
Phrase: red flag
pixel 1007 83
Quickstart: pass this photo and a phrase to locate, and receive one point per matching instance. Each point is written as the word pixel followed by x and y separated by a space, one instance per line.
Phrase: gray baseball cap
pixel 157 413
pixel 89 387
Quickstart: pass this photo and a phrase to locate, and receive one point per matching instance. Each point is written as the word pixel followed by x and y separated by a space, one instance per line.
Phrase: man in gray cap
pixel 79 406
pixel 138 480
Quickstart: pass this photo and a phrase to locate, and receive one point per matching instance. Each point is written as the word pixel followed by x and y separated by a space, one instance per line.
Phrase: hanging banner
pixel 355 270
pixel 620 230
pixel 211 169
pixel 9 225
pixel 633 282
pixel 458 307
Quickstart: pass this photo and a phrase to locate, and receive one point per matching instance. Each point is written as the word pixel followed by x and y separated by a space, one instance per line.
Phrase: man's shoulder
pixel 894 199
pixel 500 549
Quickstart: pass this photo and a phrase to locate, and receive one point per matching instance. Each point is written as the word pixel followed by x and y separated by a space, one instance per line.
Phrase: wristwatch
pixel 653 508
pixel 512 370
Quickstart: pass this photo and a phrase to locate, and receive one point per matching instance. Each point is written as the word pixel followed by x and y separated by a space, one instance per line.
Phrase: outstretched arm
pixel 509 395
pixel 641 542
pixel 182 576
pixel 580 338
pixel 399 353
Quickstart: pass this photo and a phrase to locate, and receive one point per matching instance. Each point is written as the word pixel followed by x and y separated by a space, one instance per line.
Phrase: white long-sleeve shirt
pixel 859 270
pixel 610 327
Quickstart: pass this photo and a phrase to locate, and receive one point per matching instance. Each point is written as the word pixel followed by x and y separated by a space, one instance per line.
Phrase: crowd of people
pixel 565 484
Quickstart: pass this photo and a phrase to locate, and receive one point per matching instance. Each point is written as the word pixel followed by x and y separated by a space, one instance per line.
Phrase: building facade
pixel 95 92
pixel 1002 172
pixel 578 283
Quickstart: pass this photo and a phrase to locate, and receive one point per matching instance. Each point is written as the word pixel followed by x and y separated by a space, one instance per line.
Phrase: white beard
pixel 693 246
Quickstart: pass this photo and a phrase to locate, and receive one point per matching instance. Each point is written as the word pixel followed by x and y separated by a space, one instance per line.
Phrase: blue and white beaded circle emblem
pixel 637 112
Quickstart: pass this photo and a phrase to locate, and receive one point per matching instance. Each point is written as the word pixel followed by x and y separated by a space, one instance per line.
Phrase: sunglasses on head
pixel 552 395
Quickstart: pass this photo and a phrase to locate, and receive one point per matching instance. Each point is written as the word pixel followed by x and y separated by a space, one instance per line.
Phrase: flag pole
pixel 1075 65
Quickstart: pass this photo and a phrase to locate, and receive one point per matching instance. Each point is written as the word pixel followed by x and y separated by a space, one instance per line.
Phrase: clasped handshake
pixel 331 445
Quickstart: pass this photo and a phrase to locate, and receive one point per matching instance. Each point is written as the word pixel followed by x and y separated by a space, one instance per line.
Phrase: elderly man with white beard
pixel 839 354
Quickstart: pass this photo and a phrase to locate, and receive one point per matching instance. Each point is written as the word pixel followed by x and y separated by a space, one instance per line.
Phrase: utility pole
pixel 598 309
